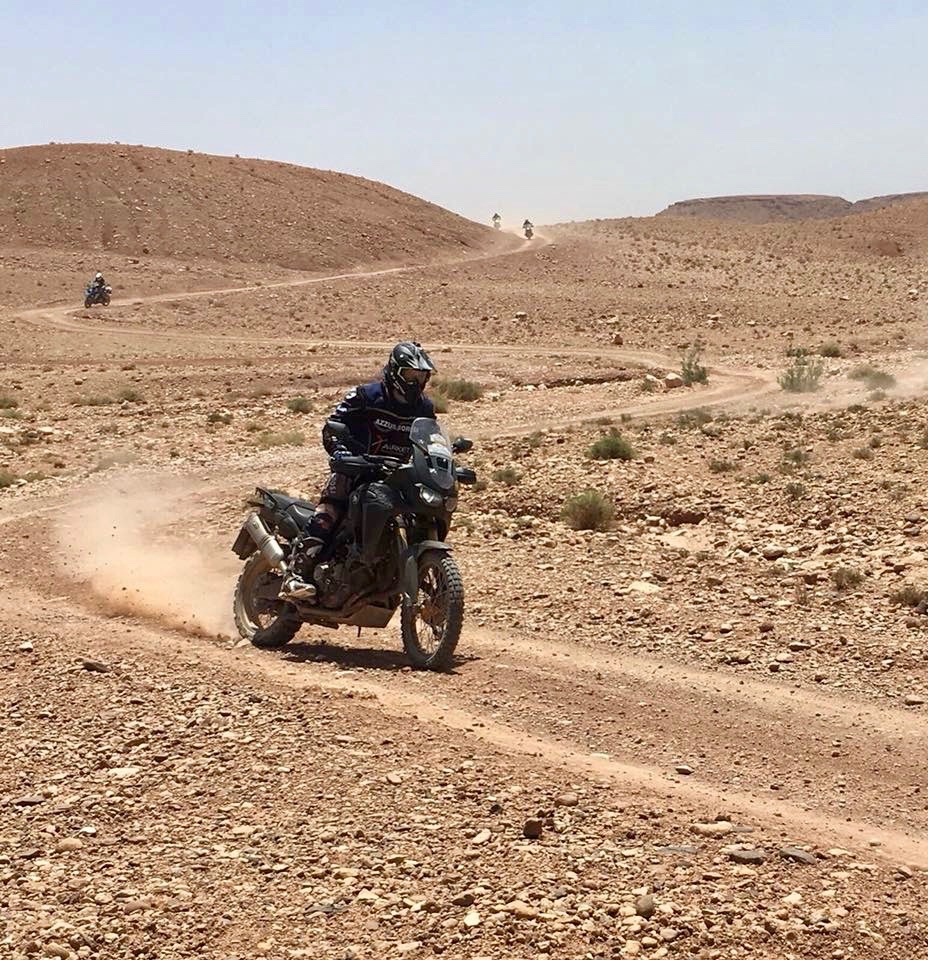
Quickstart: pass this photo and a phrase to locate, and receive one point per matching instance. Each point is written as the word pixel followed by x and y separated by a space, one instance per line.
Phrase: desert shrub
pixel 439 401
pixel 667 438
pixel 844 578
pixel 690 419
pixel 7 402
pixel 299 405
pixel 11 413
pixel 129 394
pixel 722 466
pixel 831 349
pixel 465 390
pixel 798 351
pixel 508 475
pixel 283 438
pixel 222 416
pixel 613 446
pixel 7 479
pixel 863 453
pixel 797 456
pixel 874 378
pixel 876 441
pixel 795 490
pixel 803 375
pixel 911 595
pixel 534 440
pixel 588 510
pixel 691 370
pixel 94 400
pixel 762 477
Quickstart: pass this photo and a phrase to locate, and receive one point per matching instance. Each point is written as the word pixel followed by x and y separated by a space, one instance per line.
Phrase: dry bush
pixel 588 510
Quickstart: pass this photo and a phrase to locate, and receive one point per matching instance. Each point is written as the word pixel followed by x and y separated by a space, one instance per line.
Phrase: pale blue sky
pixel 552 110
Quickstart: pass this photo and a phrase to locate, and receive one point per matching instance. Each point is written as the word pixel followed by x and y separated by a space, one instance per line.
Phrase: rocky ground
pixel 698 731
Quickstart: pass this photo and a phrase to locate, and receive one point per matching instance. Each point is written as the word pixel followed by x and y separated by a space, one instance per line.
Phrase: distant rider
pixel 378 416
pixel 528 225
pixel 98 283
pixel 497 220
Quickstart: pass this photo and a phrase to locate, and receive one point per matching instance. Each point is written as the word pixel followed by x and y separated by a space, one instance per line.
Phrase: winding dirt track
pixel 581 708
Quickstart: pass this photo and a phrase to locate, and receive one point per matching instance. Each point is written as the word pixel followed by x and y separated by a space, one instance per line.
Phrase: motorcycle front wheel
pixel 259 616
pixel 431 626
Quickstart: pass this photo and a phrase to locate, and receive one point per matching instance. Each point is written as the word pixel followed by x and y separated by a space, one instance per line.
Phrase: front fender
pixel 409 565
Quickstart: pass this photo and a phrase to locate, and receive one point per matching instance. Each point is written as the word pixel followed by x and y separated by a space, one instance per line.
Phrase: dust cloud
pixel 116 541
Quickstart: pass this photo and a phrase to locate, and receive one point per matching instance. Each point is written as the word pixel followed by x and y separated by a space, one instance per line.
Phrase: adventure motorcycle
pixel 529 232
pixel 94 295
pixel 389 551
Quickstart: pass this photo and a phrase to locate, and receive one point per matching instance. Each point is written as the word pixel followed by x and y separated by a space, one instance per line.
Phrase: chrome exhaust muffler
pixel 266 542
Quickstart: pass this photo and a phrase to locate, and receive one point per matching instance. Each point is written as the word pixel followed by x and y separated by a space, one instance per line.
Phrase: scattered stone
pixel 913 700
pixel 482 837
pixel 69 844
pixel 684 769
pixel 773 552
pixel 520 909
pixel 532 828
pixel 95 666
pixel 796 855
pixel 645 906
pixel 464 899
pixel 25 647
pixel 567 800
pixel 471 918
pixel 673 380
pixel 719 828
pixel 792 899
pixel 752 856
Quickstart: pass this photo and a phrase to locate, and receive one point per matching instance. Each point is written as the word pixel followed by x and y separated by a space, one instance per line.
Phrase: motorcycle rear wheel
pixel 431 627
pixel 266 625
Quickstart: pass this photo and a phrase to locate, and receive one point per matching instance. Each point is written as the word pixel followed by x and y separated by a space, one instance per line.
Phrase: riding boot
pixel 297 584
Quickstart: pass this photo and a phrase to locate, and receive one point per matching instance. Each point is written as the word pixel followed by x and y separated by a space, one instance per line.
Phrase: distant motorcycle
pixel 529 231
pixel 94 295
pixel 497 221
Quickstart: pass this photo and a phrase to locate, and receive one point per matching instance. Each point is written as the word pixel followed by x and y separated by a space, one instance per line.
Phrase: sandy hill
pixel 142 200
pixel 769 208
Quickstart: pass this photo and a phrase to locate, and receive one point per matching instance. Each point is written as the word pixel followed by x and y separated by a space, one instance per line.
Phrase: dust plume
pixel 117 541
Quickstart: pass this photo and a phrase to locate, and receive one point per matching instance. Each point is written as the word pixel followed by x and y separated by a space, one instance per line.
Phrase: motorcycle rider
pixel 497 220
pixel 528 225
pixel 98 283
pixel 378 416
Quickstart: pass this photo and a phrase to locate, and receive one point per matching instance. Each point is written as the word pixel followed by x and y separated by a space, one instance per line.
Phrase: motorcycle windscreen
pixel 431 454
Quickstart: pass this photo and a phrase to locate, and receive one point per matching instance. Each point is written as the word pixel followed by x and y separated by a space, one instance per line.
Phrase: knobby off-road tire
pixel 267 629
pixel 431 627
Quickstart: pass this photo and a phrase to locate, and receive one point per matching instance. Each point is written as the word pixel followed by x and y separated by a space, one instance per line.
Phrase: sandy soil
pixel 698 732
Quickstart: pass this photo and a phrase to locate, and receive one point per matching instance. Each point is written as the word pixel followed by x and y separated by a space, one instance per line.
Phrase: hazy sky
pixel 552 110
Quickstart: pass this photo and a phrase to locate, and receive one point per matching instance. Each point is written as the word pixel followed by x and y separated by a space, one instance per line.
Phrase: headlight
pixel 430 497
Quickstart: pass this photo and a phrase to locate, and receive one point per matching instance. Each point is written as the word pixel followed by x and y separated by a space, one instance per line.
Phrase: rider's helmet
pixel 98 277
pixel 407 371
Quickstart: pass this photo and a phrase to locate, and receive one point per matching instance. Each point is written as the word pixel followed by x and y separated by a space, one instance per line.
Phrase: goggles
pixel 420 377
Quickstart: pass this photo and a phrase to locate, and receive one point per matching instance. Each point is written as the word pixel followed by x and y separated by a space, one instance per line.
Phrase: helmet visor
pixel 421 377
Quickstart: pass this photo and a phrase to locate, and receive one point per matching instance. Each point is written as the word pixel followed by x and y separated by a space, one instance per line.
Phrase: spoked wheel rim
pixel 432 608
pixel 260 605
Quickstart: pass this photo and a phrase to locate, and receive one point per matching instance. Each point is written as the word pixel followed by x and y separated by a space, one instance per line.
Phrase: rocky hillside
pixel 760 208
pixel 767 208
pixel 142 200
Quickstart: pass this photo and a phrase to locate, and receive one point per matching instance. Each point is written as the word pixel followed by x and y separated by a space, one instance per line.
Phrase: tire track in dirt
pixel 398 698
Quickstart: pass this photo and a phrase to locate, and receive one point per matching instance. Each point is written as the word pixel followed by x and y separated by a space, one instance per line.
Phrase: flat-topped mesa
pixel 761 208
pixel 891 199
